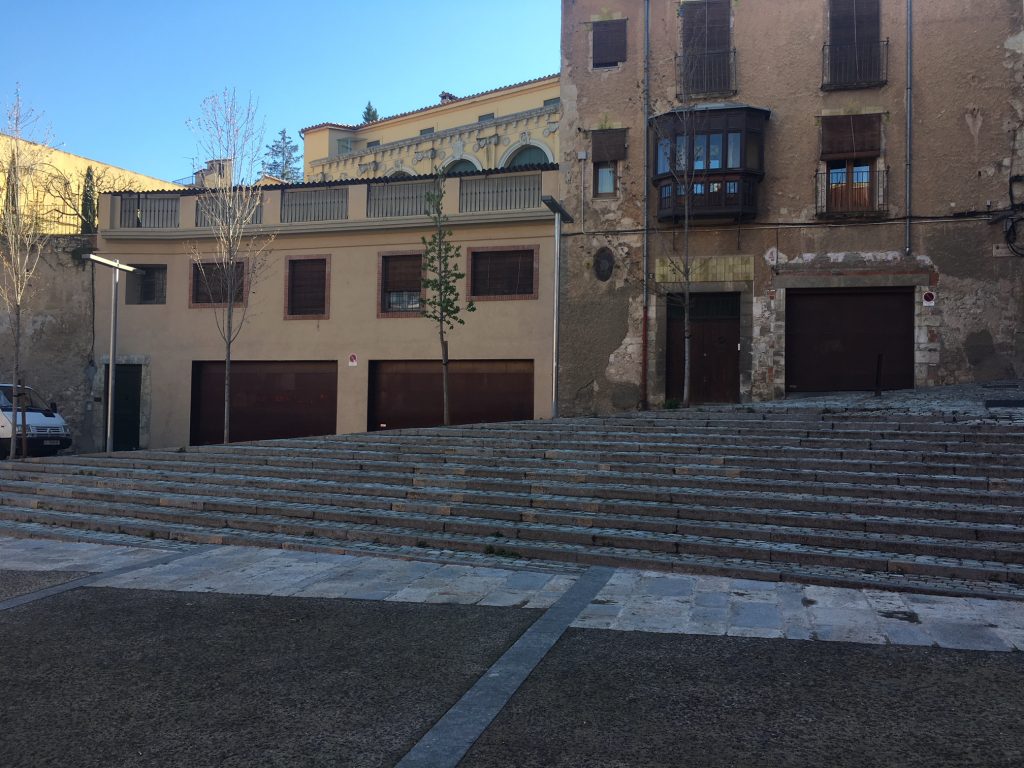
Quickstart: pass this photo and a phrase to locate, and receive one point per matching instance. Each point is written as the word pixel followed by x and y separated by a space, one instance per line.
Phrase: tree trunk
pixel 444 377
pixel 15 389
pixel 227 368
pixel 687 358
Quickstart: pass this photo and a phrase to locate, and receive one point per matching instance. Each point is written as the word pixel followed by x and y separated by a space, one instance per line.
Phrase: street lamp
pixel 560 215
pixel 117 268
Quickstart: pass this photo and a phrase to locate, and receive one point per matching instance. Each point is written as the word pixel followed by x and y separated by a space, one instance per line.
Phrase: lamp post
pixel 561 215
pixel 116 269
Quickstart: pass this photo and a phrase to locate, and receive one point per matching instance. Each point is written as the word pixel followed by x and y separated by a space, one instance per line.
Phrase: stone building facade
pixel 761 146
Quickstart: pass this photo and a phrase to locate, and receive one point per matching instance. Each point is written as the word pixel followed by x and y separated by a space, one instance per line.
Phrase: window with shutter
pixel 850 136
pixel 851 183
pixel 855 54
pixel 401 283
pixel 211 284
pixel 499 273
pixel 609 43
pixel 707 63
pixel 307 287
pixel 146 286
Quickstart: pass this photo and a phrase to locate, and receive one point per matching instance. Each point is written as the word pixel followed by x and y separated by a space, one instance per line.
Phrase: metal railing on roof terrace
pixel 149 211
pixel 406 198
pixel 499 193
pixel 323 204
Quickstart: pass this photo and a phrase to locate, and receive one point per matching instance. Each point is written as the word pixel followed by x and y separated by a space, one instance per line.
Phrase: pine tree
pixel 370 113
pixel 88 214
pixel 282 160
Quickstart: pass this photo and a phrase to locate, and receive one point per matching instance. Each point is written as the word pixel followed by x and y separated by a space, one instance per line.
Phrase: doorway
pixel 714 343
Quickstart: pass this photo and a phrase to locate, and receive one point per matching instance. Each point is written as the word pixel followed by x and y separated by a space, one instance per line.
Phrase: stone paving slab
pixel 632 601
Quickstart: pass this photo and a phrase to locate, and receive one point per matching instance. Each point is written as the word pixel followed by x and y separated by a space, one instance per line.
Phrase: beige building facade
pixel 333 337
pixel 506 127
pixel 834 239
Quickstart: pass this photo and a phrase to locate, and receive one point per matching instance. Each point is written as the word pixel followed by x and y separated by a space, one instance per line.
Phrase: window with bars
pixel 609 43
pixel 707 63
pixel 307 287
pixel 503 273
pixel 146 286
pixel 401 283
pixel 212 283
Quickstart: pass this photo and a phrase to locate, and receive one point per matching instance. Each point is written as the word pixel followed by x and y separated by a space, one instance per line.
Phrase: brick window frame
pixel 192 304
pixel 381 312
pixel 324 257
pixel 472 252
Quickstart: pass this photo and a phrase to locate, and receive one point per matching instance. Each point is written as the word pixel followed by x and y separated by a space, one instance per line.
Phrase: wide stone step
pixel 641 442
pixel 922 574
pixel 551 481
pixel 653 533
pixel 551 471
pixel 761 432
pixel 594 498
pixel 666 449
pixel 270 455
pixel 1002 543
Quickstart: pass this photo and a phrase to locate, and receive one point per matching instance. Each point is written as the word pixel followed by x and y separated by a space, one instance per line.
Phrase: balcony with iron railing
pixel 708 73
pixel 854 65
pixel 858 192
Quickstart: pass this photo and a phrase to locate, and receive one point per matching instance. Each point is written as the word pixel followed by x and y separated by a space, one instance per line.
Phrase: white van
pixel 47 431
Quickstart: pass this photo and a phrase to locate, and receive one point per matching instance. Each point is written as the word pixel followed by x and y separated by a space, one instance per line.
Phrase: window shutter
pixel 307 287
pixel 502 273
pixel 706 26
pixel 851 136
pixel 854 22
pixel 608 145
pixel 609 42
pixel 402 273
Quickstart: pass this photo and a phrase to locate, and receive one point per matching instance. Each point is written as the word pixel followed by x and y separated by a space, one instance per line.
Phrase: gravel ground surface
pixel 602 699
pixel 14 583
pixel 105 677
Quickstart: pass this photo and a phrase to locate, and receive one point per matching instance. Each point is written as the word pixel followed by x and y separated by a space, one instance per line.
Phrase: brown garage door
pixel 407 393
pixel 834 339
pixel 268 400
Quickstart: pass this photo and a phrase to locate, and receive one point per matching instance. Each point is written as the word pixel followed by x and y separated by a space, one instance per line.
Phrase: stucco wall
pixel 968 75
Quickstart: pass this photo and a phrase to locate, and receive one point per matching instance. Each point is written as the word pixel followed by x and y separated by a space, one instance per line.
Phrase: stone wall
pixel 58 346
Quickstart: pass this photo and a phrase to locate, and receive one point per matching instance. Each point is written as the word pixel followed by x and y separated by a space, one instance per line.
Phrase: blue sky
pixel 116 81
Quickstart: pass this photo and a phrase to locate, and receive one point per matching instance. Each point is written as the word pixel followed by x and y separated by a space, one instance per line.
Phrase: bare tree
pixel 441 274
pixel 22 232
pixel 75 194
pixel 229 137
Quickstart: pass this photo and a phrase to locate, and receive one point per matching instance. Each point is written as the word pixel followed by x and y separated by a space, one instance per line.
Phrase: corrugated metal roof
pixel 427 108
pixel 189 191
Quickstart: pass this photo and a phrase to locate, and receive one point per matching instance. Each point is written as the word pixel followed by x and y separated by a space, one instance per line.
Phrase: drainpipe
pixel 646 255
pixel 910 124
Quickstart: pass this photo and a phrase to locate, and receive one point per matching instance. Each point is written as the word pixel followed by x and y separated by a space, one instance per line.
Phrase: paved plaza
pixel 237 656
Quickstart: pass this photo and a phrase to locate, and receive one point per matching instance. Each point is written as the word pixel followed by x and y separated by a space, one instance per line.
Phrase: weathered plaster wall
pixel 57 343
pixel 968 99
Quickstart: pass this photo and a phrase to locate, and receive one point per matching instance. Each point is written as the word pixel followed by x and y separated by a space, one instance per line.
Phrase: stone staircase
pixel 844 499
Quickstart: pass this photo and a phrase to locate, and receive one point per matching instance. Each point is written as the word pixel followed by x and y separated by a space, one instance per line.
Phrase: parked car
pixel 47 432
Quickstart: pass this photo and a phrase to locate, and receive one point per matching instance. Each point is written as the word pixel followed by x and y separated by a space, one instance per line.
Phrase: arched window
pixel 460 166
pixel 400 175
pixel 528 155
